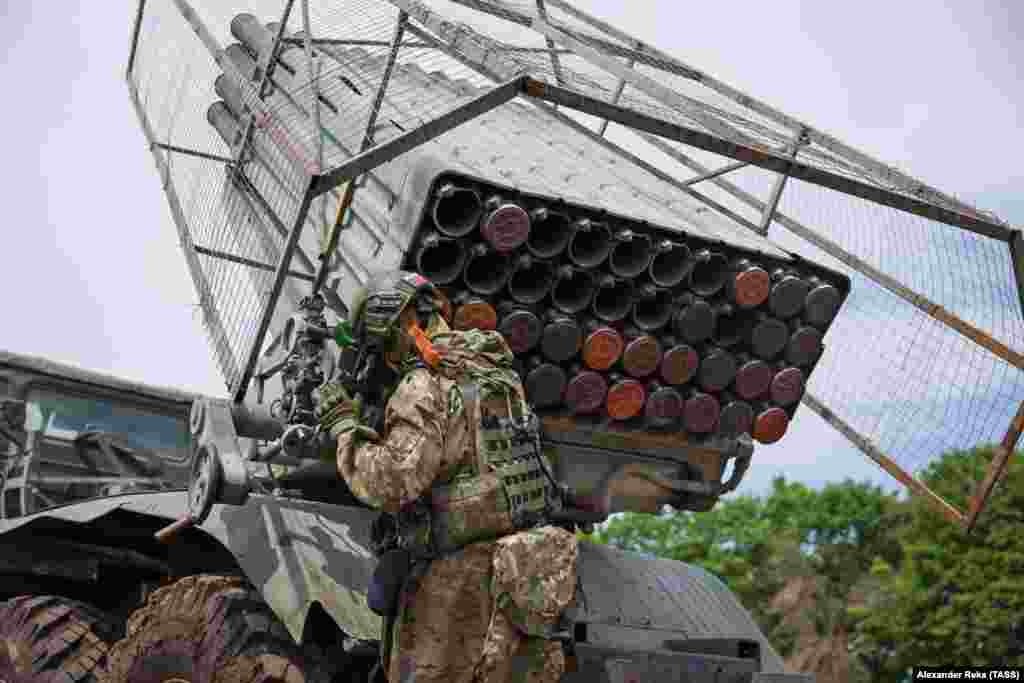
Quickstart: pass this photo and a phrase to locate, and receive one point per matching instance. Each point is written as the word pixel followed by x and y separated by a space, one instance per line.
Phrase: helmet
pixel 378 305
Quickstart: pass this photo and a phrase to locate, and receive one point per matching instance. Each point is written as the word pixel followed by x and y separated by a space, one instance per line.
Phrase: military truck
pixel 273 589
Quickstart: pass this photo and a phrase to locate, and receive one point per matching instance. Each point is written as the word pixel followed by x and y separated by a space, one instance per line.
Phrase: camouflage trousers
pixel 479 615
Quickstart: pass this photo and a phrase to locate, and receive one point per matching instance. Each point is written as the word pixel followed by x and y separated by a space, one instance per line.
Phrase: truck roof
pixel 44 366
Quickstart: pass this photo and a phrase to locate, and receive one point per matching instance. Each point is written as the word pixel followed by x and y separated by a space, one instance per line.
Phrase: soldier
pixel 458 468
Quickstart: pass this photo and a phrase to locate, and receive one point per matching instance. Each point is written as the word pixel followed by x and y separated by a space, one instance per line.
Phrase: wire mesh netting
pixel 894 370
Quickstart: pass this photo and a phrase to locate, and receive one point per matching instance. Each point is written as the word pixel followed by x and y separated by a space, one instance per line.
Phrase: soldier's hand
pixel 337 411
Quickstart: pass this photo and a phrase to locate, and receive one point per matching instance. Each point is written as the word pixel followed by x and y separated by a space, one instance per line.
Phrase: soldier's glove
pixel 337 412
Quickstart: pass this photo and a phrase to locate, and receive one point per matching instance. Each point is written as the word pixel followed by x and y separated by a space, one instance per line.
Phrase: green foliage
pixel 759 544
pixel 909 587
pixel 956 598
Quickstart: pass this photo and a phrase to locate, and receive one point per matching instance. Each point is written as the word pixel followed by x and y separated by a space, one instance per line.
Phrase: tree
pixel 797 537
pixel 954 599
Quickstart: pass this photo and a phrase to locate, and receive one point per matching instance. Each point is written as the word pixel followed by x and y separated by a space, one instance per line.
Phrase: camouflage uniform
pixel 479 613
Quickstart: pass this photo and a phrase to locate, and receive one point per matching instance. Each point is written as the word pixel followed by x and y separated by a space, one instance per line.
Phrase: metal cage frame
pixel 616 53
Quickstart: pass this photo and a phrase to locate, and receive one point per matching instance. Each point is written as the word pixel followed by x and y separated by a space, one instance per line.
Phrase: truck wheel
pixel 46 639
pixel 210 629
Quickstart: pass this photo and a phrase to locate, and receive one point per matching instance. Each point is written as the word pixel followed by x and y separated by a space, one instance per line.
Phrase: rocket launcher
pixel 653 354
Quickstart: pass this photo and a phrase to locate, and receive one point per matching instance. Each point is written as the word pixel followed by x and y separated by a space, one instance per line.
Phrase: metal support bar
pixel 385 152
pixel 763 159
pixel 996 468
pixel 714 174
pixel 922 303
pixel 882 460
pixel 342 42
pixel 389 66
pixel 194 153
pixel 780 184
pixel 556 66
pixel 1017 264
pixel 136 28
pixel 221 346
pixel 270 215
pixel 508 13
pixel 350 186
pixel 882 172
pixel 266 71
pixel 644 84
pixel 619 88
pixel 241 260
pixel 275 291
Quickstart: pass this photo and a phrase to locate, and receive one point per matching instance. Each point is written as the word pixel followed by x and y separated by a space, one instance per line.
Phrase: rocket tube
pixel 737 417
pixel 700 412
pixel 506 226
pixel 440 259
pixel 641 354
pixel 590 244
pixel 625 398
pixel 804 346
pixel 486 270
pixel 787 294
pixel 653 308
pixel 753 377
pixel 748 285
pixel 631 254
pixel 709 273
pixel 679 363
pixel 520 326
pixel 562 337
pixel 787 386
pixel 671 264
pixel 821 304
pixel 545 383
pixel 694 319
pixel 731 325
pixel 664 406
pixel 531 280
pixel 573 290
pixel 550 233
pixel 602 346
pixel 613 298
pixel 768 337
pixel 770 423
pixel 717 369
pixel 585 393
pixel 456 210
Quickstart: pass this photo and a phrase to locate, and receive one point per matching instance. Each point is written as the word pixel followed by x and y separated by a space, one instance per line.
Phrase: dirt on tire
pixel 50 639
pixel 210 629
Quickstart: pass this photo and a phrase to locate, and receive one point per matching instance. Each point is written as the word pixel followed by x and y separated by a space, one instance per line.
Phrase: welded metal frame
pixel 1004 452
pixel 910 195
pixel 775 196
pixel 243 261
pixel 763 159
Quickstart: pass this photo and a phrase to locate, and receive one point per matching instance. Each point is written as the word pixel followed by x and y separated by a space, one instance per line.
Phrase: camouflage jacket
pixel 427 437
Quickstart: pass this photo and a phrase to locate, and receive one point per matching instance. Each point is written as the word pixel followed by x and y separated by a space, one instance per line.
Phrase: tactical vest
pixel 510 485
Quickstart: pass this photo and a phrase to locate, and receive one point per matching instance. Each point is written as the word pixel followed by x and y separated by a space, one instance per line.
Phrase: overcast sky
pixel 92 273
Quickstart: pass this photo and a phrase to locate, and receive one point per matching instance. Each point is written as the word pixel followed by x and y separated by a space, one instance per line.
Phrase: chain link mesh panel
pixel 899 374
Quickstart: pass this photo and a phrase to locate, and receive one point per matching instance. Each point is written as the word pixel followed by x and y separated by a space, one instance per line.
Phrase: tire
pixel 210 629
pixel 49 639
